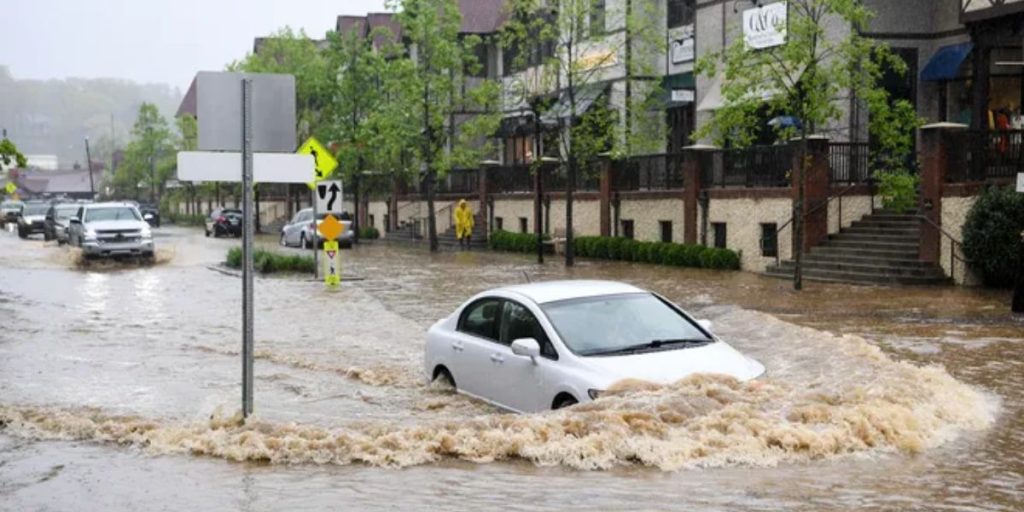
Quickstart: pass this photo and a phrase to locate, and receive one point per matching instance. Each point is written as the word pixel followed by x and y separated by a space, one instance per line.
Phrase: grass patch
pixel 267 262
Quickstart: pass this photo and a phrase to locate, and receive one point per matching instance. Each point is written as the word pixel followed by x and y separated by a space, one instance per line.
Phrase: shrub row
pixel 369 233
pixel 664 253
pixel 513 242
pixel 267 262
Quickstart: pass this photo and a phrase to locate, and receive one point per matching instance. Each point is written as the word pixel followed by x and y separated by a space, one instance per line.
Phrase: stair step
pixel 891 254
pixel 872 268
pixel 904 230
pixel 877 237
pixel 873 244
pixel 858 277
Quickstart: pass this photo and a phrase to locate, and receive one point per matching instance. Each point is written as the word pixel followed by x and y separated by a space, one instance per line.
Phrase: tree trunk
pixel 538 219
pixel 570 188
pixel 431 216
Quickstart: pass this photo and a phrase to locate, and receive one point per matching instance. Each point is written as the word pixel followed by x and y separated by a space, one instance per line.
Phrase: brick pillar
pixel 481 216
pixel 694 158
pixel 936 142
pixel 816 191
pixel 605 211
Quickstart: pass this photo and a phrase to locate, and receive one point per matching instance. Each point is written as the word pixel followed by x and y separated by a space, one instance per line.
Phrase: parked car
pixel 57 221
pixel 550 345
pixel 224 222
pixel 302 232
pixel 150 213
pixel 32 218
pixel 9 211
pixel 110 229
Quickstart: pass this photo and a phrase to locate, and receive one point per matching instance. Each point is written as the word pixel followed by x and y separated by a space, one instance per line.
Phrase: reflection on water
pixel 875 398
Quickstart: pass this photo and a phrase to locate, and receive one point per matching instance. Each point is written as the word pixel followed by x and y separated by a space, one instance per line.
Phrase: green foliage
pixel 679 255
pixel 369 233
pixel 267 262
pixel 10 157
pixel 992 232
pixel 149 158
pixel 512 242
pixel 898 190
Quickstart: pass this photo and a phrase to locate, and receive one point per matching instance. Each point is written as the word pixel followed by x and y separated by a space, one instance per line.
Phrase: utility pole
pixel 88 165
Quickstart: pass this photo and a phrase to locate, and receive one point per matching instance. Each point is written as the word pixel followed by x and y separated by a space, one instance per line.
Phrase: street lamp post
pixel 88 166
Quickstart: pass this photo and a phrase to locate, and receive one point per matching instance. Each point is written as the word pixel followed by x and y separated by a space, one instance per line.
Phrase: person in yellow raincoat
pixel 463 223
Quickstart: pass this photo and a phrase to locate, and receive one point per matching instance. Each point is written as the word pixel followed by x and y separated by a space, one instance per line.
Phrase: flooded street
pixel 119 390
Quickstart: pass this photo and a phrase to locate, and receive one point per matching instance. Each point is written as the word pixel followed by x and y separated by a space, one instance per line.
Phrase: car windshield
pixel 66 212
pixel 111 213
pixel 35 209
pixel 12 205
pixel 617 324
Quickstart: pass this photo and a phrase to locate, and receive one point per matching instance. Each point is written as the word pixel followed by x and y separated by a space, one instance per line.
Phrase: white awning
pixel 713 99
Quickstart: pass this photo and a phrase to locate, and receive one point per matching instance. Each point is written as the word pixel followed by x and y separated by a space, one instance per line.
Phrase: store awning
pixel 945 64
pixel 585 97
pixel 678 89
pixel 713 99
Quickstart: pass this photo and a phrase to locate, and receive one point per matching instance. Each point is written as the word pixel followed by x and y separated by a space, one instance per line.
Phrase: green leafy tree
pixel 10 158
pixel 571 49
pixel 149 158
pixel 809 77
pixel 431 90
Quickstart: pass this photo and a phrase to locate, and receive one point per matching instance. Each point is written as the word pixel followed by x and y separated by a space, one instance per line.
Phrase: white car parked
pixel 549 345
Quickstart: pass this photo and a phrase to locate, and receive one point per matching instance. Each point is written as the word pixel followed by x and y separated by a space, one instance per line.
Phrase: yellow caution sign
pixel 11 187
pixel 323 161
pixel 332 266
pixel 330 228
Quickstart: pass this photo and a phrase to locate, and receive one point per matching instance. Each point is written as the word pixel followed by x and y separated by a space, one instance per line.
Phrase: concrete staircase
pixel 881 248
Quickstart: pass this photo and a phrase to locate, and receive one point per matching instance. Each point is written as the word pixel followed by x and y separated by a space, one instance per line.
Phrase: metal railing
pixel 978 155
pixel 756 166
pixel 954 245
pixel 818 207
pixel 648 172
pixel 459 181
pixel 849 162
pixel 509 179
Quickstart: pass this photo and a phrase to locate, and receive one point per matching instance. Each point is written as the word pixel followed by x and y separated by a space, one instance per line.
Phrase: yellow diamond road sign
pixel 330 228
pixel 323 161
pixel 11 187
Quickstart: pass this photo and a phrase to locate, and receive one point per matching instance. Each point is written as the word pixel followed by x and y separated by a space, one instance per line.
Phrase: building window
pixel 518 150
pixel 769 240
pixel 522 225
pixel 681 12
pixel 499 223
pixel 719 229
pixel 666 230
pixel 627 229
pixel 597 11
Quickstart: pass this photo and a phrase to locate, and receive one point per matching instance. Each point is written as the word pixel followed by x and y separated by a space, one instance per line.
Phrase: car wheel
pixel 46 236
pixel 22 233
pixel 207 231
pixel 443 376
pixel 564 401
pixel 303 242
pixel 283 242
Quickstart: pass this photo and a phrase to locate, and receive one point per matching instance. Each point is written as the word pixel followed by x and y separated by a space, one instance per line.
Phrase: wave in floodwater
pixel 75 259
pixel 824 397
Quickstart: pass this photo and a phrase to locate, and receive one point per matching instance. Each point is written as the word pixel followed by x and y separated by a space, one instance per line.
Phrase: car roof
pixel 553 291
pixel 108 204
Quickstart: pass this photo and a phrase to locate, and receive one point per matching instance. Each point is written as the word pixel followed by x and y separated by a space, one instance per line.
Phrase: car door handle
pixel 496 358
pixel 458 346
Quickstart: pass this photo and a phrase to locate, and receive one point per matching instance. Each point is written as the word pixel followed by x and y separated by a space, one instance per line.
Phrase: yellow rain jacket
pixel 463 220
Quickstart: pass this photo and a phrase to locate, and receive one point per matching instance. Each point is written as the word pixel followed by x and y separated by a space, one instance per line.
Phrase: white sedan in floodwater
pixel 549 345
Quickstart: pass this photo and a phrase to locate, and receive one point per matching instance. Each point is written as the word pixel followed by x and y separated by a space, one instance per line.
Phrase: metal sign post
pixel 316 252
pixel 247 250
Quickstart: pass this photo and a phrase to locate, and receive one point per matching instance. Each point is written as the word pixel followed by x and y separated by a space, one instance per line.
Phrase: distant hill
pixel 53 116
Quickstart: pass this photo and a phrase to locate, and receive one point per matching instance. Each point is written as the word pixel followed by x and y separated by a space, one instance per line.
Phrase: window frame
pixel 630 233
pixel 547 335
pixel 597 19
pixel 497 322
pixel 724 235
pixel 686 11
pixel 662 225
pixel 765 252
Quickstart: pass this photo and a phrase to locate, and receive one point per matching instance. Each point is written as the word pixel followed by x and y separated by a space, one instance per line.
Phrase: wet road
pixel 119 387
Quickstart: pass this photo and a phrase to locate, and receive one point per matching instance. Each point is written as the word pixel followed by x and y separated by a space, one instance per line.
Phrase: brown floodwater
pixel 119 391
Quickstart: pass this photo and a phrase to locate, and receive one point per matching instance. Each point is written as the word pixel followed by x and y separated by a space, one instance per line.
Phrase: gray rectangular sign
pixel 219 111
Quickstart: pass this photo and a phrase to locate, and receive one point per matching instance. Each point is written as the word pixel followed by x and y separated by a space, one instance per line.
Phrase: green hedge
pixel 267 262
pixel 513 242
pixel 679 255
pixel 369 233
pixel 991 234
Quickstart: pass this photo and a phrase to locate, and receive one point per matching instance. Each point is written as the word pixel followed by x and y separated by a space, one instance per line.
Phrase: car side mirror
pixel 705 324
pixel 526 347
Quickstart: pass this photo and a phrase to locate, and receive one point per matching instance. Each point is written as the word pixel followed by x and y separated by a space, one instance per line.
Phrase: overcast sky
pixel 163 41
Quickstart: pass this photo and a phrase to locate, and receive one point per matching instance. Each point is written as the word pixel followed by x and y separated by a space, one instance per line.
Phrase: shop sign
pixel 683 46
pixel 598 59
pixel 682 95
pixel 765 27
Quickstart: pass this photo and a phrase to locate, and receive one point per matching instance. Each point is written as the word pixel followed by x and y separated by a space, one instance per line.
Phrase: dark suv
pixel 32 219
pixel 223 222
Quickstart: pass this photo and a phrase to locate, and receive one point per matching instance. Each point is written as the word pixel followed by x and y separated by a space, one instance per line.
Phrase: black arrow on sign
pixel 334 195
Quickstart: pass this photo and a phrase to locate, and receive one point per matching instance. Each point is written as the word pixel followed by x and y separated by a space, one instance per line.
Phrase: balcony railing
pixel 985 155
pixel 849 162
pixel 649 172
pixel 756 166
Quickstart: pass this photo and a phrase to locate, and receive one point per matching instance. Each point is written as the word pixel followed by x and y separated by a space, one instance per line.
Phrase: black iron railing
pixel 756 166
pixel 648 172
pixel 509 179
pixel 850 162
pixel 459 181
pixel 985 155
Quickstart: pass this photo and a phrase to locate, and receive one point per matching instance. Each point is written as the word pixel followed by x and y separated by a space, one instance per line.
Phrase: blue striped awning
pixel 945 64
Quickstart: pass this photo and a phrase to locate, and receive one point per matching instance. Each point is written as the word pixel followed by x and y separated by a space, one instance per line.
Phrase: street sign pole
pixel 247 250
pixel 316 250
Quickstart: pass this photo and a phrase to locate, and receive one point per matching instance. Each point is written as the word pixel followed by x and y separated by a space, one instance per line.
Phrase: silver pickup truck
pixel 111 229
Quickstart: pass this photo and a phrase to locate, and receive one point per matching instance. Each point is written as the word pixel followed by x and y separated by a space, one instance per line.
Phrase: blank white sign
pixel 227 166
